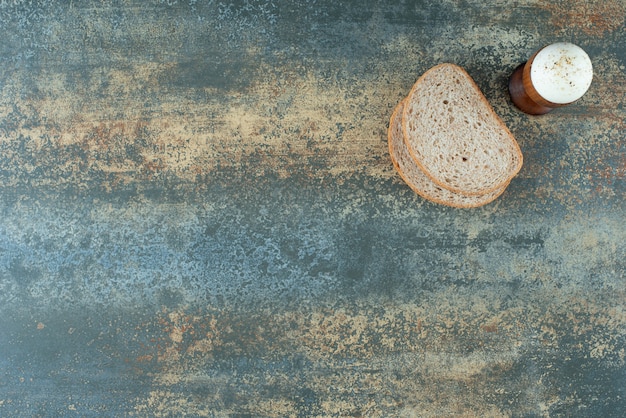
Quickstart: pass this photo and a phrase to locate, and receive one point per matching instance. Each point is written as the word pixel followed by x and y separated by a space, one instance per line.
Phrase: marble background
pixel 200 216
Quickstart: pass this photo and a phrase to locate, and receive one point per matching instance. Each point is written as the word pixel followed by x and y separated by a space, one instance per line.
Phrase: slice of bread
pixel 454 135
pixel 415 177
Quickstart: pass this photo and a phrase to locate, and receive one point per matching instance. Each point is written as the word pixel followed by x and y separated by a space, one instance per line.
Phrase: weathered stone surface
pixel 199 215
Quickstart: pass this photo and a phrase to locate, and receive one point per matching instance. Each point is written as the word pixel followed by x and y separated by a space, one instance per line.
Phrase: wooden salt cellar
pixel 523 93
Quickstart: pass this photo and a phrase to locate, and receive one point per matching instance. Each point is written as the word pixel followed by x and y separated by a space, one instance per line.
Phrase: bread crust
pixel 411 138
pixel 419 182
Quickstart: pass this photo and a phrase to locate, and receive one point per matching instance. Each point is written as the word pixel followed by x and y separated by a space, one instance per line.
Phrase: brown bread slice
pixel 455 136
pixel 415 177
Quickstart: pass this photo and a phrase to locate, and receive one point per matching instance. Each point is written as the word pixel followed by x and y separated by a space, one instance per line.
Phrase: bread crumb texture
pixel 455 136
pixel 418 180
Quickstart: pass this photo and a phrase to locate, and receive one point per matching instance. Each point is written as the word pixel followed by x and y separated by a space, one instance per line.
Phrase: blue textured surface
pixel 200 217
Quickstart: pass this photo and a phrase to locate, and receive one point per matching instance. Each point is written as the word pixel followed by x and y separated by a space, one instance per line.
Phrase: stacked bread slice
pixel 448 144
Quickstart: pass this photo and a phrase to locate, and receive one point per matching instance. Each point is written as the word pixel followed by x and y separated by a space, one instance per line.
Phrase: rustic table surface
pixel 200 216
